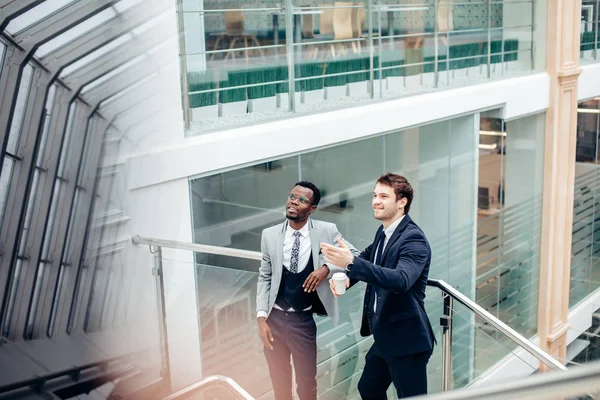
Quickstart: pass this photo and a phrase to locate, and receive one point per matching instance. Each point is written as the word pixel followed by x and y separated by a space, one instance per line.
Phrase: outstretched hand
pixel 340 256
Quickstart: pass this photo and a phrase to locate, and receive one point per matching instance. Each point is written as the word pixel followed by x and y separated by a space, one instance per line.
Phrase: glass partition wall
pixel 509 207
pixel 491 254
pixel 246 62
pixel 590 12
pixel 585 247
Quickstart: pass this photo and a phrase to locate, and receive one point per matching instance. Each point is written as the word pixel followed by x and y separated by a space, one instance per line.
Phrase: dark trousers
pixel 408 373
pixel 295 335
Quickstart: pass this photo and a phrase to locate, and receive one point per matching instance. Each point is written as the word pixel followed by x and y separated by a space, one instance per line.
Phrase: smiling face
pixel 299 204
pixel 385 206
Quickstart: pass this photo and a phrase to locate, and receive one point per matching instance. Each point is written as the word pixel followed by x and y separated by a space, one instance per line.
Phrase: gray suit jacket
pixel 271 266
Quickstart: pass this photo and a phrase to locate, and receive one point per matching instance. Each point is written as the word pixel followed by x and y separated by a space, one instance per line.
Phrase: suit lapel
pixel 395 236
pixel 279 246
pixel 315 242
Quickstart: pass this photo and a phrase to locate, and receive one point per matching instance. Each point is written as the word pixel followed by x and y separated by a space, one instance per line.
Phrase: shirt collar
pixel 303 231
pixel 390 229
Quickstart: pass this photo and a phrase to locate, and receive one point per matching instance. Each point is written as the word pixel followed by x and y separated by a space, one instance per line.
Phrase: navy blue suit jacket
pixel 400 324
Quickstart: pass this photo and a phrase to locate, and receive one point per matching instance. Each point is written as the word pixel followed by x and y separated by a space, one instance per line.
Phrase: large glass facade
pixel 253 61
pixel 440 161
pixel 488 252
pixel 585 250
pixel 511 159
pixel 590 36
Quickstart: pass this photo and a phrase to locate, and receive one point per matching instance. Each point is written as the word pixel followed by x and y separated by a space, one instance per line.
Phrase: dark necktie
pixel 379 254
pixel 295 253
pixel 377 260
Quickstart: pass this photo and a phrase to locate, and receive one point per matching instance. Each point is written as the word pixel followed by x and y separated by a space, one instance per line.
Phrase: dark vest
pixel 292 294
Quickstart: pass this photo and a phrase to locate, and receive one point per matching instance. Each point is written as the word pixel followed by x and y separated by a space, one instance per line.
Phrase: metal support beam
pixel 104 34
pixel 22 173
pixel 131 98
pixel 15 61
pixel 79 228
pixel 10 9
pixel 10 79
pixel 28 275
pixel 56 137
pixel 136 73
pixel 60 22
pixel 64 210
pixel 105 65
pixel 84 284
pixel 28 41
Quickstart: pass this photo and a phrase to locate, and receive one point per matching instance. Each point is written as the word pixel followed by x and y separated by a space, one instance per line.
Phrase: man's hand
pixel 332 286
pixel 340 256
pixel 264 331
pixel 315 277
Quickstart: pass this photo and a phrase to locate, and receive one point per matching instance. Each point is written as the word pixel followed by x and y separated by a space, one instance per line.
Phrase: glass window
pixel 585 245
pixel 236 62
pixel 97 301
pixel 511 156
pixel 113 73
pixel 85 27
pixel 111 46
pixel 20 108
pixel 440 161
pixel 589 31
pixel 14 135
pixel 36 14
pixel 31 205
pixel 2 50
pixel 75 32
pixel 57 198
pixel 7 167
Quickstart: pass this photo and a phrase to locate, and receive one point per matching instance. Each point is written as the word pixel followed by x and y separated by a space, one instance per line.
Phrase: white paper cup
pixel 339 280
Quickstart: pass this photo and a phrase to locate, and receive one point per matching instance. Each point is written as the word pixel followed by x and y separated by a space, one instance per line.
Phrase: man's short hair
pixel 314 188
pixel 401 187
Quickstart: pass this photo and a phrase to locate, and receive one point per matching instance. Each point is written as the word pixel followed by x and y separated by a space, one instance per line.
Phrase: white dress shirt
pixel 305 251
pixel 303 257
pixel 389 231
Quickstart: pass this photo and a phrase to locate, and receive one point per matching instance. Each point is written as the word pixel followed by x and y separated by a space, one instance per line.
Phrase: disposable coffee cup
pixel 339 280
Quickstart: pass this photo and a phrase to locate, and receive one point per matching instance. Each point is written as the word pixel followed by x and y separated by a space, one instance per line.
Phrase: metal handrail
pixel 577 381
pixel 498 324
pixel 74 371
pixel 213 380
pixel 198 248
pixel 451 292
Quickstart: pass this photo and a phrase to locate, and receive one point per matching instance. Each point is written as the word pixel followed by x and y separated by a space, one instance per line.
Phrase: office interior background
pixel 188 121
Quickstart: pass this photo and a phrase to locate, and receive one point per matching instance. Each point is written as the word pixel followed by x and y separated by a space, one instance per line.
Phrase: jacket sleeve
pixel 335 234
pixel 414 253
pixel 263 287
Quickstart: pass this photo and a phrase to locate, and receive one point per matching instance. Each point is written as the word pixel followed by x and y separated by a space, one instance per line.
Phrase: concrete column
pixel 562 58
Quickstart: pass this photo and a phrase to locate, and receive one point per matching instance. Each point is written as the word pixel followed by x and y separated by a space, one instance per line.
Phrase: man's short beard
pixel 291 218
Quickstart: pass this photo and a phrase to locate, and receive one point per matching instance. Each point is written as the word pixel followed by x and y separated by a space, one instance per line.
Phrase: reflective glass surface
pixel 248 62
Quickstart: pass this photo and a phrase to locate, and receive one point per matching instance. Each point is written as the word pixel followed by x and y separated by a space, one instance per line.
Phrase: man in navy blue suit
pixel 395 268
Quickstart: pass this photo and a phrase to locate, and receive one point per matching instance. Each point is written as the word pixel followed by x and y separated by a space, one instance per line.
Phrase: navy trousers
pixel 407 373
pixel 295 335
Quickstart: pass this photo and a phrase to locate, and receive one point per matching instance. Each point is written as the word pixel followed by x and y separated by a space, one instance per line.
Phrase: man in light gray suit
pixel 292 285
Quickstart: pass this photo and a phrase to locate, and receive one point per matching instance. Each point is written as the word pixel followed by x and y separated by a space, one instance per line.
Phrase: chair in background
pixel 343 27
pixel 326 20
pixel 235 30
pixel 308 23
pixel 359 20
pixel 325 26
pixel 445 20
